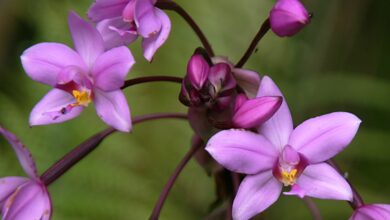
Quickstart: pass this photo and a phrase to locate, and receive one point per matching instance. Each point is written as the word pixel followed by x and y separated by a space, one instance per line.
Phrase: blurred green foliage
pixel 340 62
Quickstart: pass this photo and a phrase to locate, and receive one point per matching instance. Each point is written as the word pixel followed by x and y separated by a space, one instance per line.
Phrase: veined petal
pixel 8 185
pixel 197 71
pixel 255 194
pixel 372 212
pixel 103 9
pixel 54 108
pixel 43 62
pixel 147 18
pixel 116 32
pixel 323 137
pixel 255 112
pixel 22 153
pixel 151 44
pixel 279 127
pixel 111 68
pixel 322 181
pixel 28 202
pixel 87 40
pixel 248 80
pixel 113 109
pixel 242 151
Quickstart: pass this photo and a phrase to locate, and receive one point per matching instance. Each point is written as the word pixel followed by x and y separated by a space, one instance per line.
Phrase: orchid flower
pixel 79 77
pixel 23 198
pixel 372 212
pixel 121 21
pixel 279 155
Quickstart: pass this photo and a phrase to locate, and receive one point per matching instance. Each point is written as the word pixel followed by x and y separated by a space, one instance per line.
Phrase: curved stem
pixel 164 194
pixel 171 5
pixel 85 148
pixel 260 34
pixel 315 212
pixel 147 79
pixel 357 199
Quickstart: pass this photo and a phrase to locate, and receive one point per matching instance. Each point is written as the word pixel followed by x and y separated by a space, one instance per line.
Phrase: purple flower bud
pixel 288 17
pixel 240 100
pixel 197 71
pixel 254 112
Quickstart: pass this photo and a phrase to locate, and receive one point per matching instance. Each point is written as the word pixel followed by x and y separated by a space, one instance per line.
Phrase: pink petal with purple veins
pixel 255 112
pixel 111 68
pixel 8 185
pixel 103 9
pixel 22 153
pixel 197 71
pixel 116 32
pixel 147 18
pixel 279 127
pixel 43 62
pixel 372 212
pixel 128 13
pixel 87 40
pixel 322 181
pixel 28 202
pixel 152 43
pixel 321 138
pixel 113 109
pixel 53 108
pixel 242 151
pixel 256 193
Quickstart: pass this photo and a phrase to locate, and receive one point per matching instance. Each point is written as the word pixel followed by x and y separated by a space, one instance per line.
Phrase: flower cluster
pixel 241 121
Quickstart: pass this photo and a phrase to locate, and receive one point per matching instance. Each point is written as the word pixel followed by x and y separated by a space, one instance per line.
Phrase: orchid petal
pixel 322 181
pixel 372 212
pixel 22 153
pixel 242 151
pixel 248 80
pixel 113 109
pixel 279 127
pixel 43 62
pixel 255 194
pixel 87 40
pixel 8 185
pixel 321 138
pixel 103 9
pixel 152 43
pixel 116 32
pixel 197 71
pixel 111 68
pixel 28 202
pixel 255 112
pixel 53 108
pixel 147 18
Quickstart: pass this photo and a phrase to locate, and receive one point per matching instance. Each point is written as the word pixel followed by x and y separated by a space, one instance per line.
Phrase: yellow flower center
pixel 82 98
pixel 289 178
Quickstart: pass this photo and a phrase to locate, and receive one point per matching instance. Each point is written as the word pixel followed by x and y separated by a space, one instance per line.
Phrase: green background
pixel 340 62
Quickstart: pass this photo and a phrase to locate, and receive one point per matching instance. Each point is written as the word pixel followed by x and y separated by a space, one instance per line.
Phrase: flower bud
pixel 288 17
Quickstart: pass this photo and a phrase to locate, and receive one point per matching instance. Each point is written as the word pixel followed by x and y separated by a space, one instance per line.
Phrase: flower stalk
pixel 148 79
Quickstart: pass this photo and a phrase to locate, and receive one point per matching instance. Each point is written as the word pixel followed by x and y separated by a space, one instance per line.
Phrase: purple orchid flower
pixel 280 155
pixel 80 77
pixel 372 212
pixel 121 21
pixel 23 198
pixel 288 17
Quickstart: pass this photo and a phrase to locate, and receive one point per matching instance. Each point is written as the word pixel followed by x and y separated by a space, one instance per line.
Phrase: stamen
pixel 82 98
pixel 289 178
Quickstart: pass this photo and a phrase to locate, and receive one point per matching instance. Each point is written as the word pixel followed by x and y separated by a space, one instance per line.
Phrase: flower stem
pixel 81 151
pixel 147 79
pixel 260 34
pixel 171 5
pixel 164 194
pixel 357 199
pixel 315 212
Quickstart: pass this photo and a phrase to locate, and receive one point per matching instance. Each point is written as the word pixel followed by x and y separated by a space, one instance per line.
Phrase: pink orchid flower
pixel 23 198
pixel 79 77
pixel 121 21
pixel 372 212
pixel 279 155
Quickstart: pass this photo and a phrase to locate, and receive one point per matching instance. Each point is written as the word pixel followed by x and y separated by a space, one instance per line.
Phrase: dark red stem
pixel 260 34
pixel 171 5
pixel 164 194
pixel 85 148
pixel 147 79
